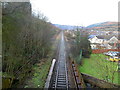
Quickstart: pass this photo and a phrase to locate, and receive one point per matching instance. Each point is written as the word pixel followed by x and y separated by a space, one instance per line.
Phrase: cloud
pixel 77 12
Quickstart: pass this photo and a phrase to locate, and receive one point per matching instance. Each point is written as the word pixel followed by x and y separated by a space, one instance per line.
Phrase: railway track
pixel 60 78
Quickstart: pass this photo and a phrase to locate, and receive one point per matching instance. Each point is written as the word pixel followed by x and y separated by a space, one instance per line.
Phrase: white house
pixel 93 46
pixel 113 39
pixel 73 34
pixel 96 39
pixel 108 43
pixel 107 46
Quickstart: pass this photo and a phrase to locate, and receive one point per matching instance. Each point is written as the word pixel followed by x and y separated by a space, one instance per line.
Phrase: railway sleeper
pixel 61 75
pixel 61 80
pixel 61 85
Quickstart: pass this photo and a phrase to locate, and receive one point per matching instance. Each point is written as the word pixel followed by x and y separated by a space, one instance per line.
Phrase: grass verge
pixel 41 69
pixel 97 66
pixel 40 74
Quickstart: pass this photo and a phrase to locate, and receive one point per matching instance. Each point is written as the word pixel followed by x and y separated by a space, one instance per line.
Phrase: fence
pixel 104 50
pixel 79 58
pixel 98 82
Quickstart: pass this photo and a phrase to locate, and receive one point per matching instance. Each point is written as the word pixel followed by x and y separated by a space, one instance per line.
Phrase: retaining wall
pixel 104 50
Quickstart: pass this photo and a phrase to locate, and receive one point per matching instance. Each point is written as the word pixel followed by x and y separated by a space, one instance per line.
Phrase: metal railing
pixel 50 75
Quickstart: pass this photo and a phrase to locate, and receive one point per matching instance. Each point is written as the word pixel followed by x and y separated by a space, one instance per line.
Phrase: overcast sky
pixel 77 12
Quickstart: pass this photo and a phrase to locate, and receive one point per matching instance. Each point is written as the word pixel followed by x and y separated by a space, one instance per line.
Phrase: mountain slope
pixel 103 25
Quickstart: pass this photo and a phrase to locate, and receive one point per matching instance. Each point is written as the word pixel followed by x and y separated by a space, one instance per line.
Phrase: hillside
pixel 103 25
pixel 104 28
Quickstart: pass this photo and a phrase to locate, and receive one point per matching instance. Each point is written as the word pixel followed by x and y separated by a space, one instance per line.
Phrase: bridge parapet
pixel 50 75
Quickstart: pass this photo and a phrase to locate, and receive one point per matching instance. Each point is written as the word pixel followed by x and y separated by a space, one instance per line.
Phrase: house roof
pixel 100 37
pixel 91 36
pixel 107 37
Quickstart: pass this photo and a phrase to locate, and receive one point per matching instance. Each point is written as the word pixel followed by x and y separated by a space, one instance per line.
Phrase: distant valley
pixel 96 26
pixel 67 27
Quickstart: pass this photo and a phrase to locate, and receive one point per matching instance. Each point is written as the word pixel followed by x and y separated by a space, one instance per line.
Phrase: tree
pixel 81 46
pixel 82 43
pixel 85 46
pixel 26 38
